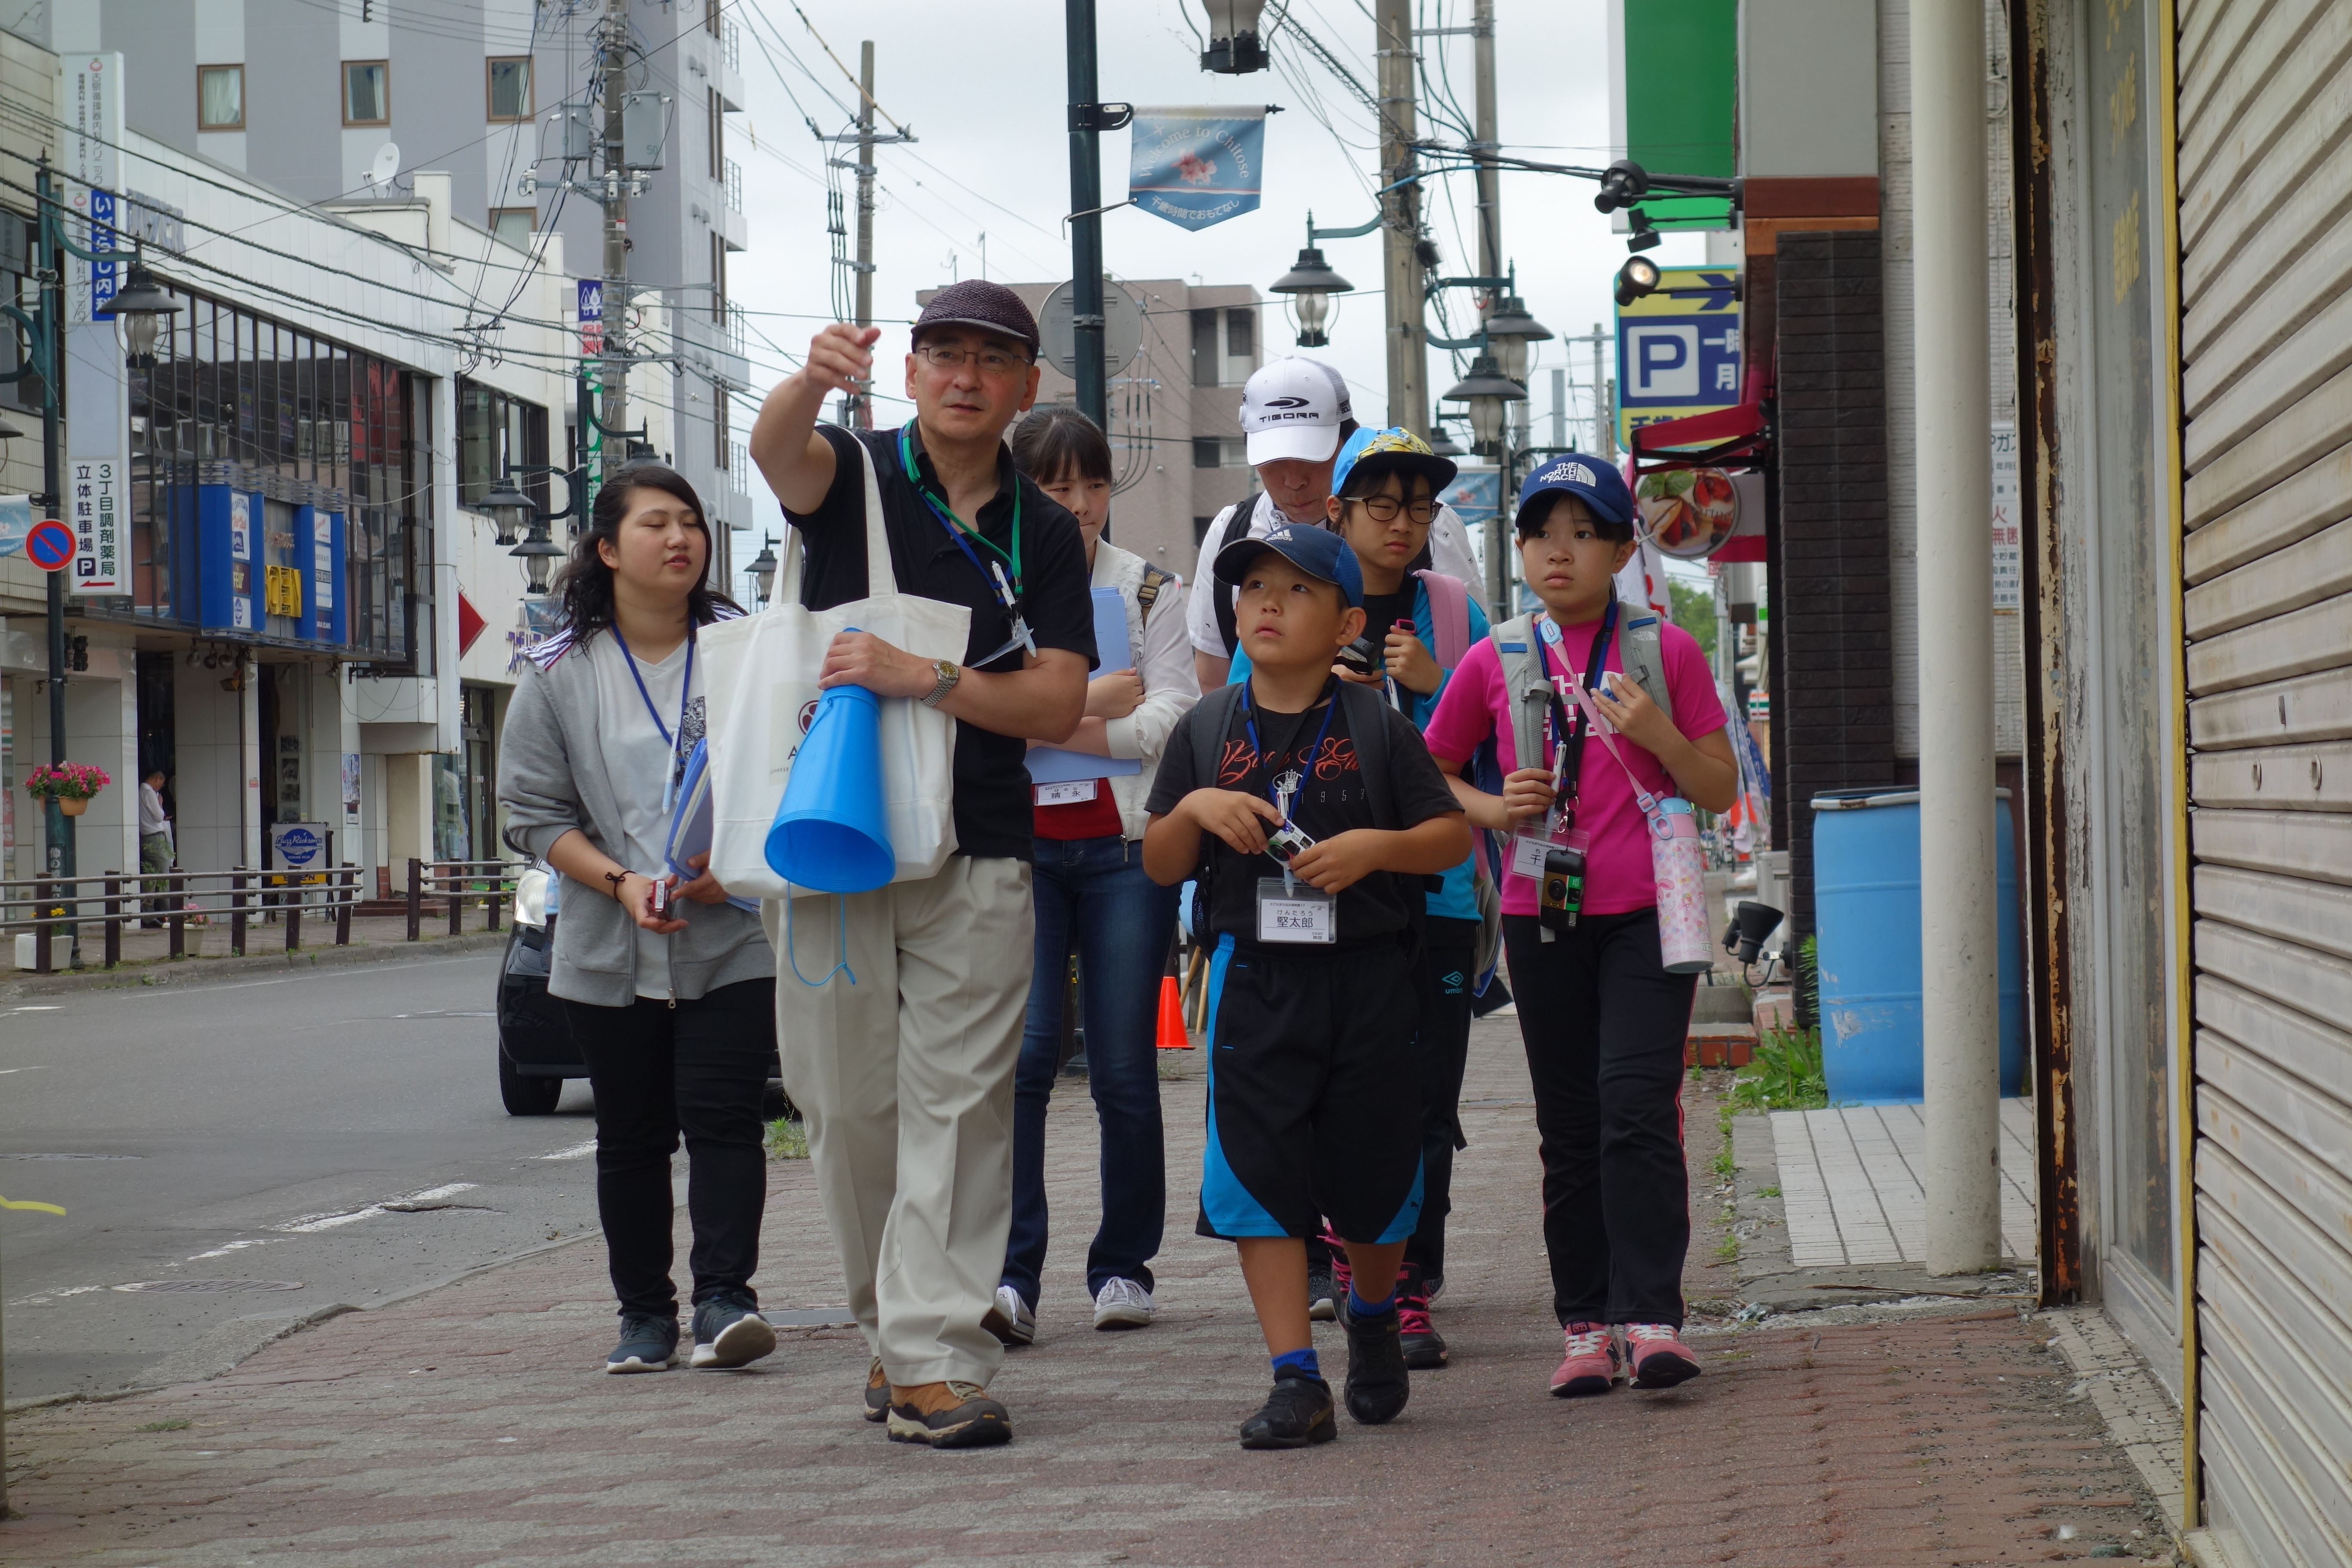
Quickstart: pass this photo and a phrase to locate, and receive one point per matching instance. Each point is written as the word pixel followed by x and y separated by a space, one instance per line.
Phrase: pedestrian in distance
pixel 1296 414
pixel 1602 1021
pixel 155 853
pixel 669 989
pixel 1093 899
pixel 906 1078
pixel 1309 811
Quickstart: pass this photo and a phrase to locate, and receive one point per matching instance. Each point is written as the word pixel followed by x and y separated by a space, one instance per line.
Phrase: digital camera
pixel 1560 894
pixel 1287 843
pixel 1364 657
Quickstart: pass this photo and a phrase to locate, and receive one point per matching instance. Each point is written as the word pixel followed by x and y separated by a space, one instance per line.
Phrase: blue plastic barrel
pixel 1866 924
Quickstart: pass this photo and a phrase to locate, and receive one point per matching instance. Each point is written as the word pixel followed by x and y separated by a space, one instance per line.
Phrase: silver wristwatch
pixel 949 675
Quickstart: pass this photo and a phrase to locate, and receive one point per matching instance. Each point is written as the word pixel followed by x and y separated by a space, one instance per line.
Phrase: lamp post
pixel 764 569
pixel 1489 393
pixel 1513 332
pixel 1235 48
pixel 1311 283
pixel 508 508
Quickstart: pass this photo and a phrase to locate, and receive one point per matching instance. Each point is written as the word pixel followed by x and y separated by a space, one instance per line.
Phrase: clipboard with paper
pixel 690 824
pixel 1051 765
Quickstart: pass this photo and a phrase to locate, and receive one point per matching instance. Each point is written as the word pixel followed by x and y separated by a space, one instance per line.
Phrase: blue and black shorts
pixel 1314 1095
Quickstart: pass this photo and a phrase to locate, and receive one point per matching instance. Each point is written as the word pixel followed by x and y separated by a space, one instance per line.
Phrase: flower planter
pixel 73 807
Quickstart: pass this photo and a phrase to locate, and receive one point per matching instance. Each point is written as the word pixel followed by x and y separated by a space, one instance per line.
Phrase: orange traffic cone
pixel 1171 1016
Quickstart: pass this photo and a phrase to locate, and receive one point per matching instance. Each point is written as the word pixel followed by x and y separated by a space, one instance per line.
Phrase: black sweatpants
pixel 1604 1026
pixel 1449 949
pixel 700 1068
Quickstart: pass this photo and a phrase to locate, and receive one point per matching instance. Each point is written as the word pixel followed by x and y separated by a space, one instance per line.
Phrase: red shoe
pixel 1590 1365
pixel 1660 1360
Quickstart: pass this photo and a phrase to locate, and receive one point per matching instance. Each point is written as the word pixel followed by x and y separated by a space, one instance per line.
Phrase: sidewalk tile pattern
pixel 1851 1182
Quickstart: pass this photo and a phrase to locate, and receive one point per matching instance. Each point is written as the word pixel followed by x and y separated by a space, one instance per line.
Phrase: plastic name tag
pixel 1070 792
pixel 1297 914
pixel 1529 850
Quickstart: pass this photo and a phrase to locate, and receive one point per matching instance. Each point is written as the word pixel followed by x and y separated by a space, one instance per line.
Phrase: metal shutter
pixel 2266 189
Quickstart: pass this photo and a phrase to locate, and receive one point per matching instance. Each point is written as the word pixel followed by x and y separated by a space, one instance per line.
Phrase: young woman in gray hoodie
pixel 669 988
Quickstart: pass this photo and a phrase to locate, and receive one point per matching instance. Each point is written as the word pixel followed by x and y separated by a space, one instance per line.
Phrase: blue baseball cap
pixel 1597 484
pixel 1318 552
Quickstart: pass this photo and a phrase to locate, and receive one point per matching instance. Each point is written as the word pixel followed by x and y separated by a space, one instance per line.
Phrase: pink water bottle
pixel 1684 938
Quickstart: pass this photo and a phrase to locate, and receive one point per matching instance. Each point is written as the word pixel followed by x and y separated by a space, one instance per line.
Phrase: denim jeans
pixel 1093 897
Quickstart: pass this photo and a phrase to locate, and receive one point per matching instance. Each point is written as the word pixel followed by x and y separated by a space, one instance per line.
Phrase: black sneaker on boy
pixel 1295 1415
pixel 1378 1383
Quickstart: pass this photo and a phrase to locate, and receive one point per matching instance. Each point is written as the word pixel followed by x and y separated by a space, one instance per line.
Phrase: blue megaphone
pixel 833 833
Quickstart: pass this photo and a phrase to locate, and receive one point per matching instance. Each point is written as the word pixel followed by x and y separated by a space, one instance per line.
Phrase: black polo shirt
pixel 994 805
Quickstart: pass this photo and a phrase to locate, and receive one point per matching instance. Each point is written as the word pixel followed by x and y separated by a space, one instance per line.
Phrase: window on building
pixel 1241 334
pixel 1207 452
pixel 220 97
pixel 510 88
pixel 515 225
pixel 710 16
pixel 718 134
pixel 1201 530
pixel 367 92
pixel 718 278
pixel 722 431
pixel 496 432
pixel 1207 370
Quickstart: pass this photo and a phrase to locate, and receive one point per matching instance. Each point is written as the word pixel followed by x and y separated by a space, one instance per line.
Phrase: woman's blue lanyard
pixel 670 784
pixel 992 573
pixel 1275 790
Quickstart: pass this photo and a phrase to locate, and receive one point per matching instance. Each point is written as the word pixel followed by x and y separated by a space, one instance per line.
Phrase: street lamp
pixel 763 568
pixel 507 505
pixel 1311 283
pixel 1511 329
pixel 1441 441
pixel 139 310
pixel 540 556
pixel 1233 46
pixel 1486 390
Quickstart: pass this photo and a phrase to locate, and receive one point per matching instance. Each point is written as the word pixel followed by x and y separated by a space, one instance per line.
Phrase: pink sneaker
pixel 1660 1359
pixel 1590 1365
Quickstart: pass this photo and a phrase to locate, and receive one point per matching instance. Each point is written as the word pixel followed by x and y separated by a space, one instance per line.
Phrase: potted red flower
pixel 70 785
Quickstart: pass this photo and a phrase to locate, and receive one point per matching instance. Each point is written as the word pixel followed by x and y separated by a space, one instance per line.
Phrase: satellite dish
pixel 387 164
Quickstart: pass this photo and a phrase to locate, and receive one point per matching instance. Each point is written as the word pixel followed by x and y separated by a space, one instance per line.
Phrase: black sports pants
pixel 1604 1026
pixel 1448 950
pixel 699 1067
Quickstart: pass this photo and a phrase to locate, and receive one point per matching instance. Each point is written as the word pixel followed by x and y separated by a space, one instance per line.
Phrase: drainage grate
pixel 214 1285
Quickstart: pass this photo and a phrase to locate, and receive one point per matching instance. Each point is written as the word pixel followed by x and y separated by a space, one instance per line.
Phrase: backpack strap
pixel 1147 593
pixel 1368 729
pixel 1210 719
pixel 1525 687
pixel 1638 649
pixel 1449 616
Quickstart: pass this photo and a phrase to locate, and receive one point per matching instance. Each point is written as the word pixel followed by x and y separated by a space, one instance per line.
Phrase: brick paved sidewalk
pixel 470 1426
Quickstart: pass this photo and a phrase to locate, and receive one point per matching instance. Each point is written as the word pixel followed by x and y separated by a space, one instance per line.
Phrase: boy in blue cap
pixel 1311 812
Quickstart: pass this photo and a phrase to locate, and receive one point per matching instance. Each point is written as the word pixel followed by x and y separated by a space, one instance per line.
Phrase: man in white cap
pixel 1295 414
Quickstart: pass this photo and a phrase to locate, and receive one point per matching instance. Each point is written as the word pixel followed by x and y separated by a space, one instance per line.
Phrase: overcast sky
pixel 984 87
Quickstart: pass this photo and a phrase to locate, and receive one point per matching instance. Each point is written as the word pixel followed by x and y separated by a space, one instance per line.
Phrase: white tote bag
pixel 760 674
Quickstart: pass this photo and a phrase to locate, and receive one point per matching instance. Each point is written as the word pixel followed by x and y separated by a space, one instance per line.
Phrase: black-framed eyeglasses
pixel 992 362
pixel 1385 509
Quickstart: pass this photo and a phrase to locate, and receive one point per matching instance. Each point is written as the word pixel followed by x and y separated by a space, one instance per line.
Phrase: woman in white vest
pixel 1094 900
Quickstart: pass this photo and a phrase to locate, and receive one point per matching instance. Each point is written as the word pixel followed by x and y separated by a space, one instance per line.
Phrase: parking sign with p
pixel 1678 349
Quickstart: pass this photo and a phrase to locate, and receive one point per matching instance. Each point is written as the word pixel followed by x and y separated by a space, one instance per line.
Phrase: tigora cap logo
pixel 1285 402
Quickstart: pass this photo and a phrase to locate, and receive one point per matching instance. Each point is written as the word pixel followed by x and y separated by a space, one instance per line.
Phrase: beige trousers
pixel 905 1083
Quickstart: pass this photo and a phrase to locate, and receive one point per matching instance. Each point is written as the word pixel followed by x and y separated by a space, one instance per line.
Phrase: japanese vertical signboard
pixel 94 511
pixel 2008 562
pixel 90 102
pixel 1678 349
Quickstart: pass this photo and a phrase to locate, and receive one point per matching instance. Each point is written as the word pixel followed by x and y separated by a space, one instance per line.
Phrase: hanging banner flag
pixel 1197 166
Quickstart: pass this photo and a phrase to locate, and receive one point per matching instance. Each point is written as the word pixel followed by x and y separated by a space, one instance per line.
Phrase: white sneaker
pixel 1010 1320
pixel 1122 1304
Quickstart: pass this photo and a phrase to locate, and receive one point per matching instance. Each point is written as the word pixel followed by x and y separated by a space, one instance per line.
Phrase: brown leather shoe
pixel 948 1415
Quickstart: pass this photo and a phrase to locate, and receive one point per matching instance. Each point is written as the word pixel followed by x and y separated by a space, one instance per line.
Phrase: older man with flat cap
pixel 906 1078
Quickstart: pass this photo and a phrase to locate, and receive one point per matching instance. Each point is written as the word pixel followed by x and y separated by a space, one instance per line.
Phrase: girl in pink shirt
pixel 1602 1021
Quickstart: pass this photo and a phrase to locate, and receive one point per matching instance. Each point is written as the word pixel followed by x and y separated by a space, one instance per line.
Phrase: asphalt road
pixel 265 1132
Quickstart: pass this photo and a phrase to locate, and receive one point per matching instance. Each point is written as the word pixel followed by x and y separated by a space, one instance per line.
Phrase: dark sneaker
pixel 975 1422
pixel 729 1332
pixel 1295 1415
pixel 647 1344
pixel 878 1392
pixel 1010 1319
pixel 1322 1296
pixel 1433 1288
pixel 1378 1383
pixel 1424 1347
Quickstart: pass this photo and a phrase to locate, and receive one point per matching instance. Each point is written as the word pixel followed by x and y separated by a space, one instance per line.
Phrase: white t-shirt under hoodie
pixel 640 763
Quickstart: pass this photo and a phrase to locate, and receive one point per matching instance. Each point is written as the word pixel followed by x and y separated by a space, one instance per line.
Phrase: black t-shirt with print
pixel 994 808
pixel 1331 799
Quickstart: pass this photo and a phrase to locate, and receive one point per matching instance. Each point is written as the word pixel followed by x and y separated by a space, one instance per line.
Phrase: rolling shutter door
pixel 2265 191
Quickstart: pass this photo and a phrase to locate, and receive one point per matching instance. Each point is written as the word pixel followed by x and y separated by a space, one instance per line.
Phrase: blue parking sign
pixel 1678 350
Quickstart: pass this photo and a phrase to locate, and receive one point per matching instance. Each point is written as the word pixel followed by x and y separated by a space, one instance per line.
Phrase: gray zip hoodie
pixel 552 778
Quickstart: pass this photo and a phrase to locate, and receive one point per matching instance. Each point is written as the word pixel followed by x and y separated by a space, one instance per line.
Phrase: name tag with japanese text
pixel 1295 914
pixel 1069 792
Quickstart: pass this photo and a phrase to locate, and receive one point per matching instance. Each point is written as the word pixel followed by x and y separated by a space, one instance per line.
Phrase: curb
pixel 207 971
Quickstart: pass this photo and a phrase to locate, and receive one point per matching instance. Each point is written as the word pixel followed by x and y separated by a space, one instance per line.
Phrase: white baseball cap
pixel 1294 408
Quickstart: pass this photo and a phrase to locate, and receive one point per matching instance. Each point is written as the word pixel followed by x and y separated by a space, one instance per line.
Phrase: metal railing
pixel 177 900
pixel 734 186
pixel 490 883
pixel 730 44
pixel 735 328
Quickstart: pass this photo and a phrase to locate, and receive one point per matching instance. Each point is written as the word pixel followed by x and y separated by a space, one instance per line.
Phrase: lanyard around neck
pixel 1249 723
pixel 964 534
pixel 1568 760
pixel 648 698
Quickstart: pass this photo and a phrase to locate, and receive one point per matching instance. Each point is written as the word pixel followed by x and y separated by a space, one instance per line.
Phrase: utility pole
pixel 1560 406
pixel 614 355
pixel 1400 270
pixel 63 861
pixel 1490 175
pixel 1604 405
pixel 1086 125
pixel 865 406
